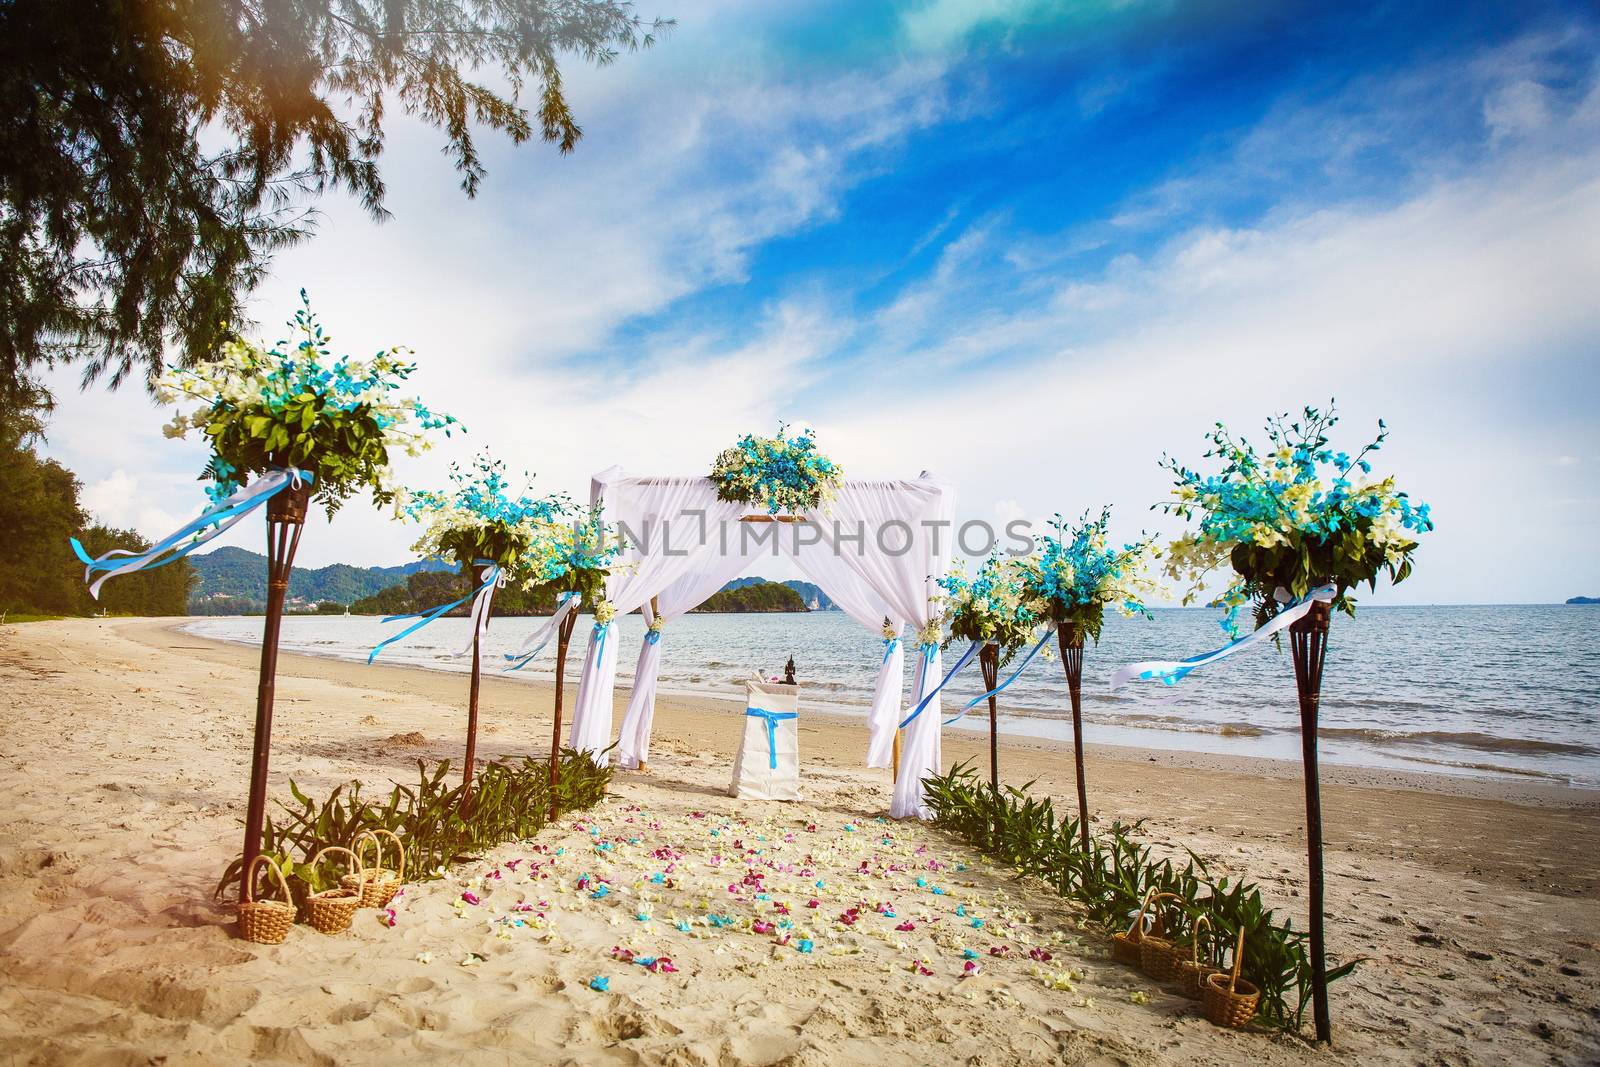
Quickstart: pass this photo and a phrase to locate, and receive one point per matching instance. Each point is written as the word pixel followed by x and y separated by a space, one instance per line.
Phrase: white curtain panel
pixel 663 519
pixel 820 564
pixel 898 536
pixel 682 596
pixel 921 755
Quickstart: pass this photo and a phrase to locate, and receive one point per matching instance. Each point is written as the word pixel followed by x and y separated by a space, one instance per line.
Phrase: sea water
pixel 1507 690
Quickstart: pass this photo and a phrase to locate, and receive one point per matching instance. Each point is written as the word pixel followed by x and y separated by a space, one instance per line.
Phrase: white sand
pixel 125 748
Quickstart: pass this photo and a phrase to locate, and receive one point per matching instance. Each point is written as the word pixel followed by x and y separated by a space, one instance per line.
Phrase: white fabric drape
pixel 662 519
pixel 682 596
pixel 877 550
pixel 819 563
pixel 906 542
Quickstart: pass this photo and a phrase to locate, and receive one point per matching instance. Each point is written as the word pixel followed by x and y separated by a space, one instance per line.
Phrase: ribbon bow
pixel 773 718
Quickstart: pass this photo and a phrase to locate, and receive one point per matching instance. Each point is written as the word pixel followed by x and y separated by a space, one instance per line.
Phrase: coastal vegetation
pixel 1111 877
pixel 38 574
pixel 129 237
pixel 438 824
pixel 757 596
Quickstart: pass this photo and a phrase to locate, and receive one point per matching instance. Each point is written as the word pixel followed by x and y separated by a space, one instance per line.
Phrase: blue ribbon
pixel 519 662
pixel 218 513
pixel 889 645
pixel 927 654
pixel 997 689
pixel 1173 672
pixel 773 719
pixel 652 636
pixel 428 616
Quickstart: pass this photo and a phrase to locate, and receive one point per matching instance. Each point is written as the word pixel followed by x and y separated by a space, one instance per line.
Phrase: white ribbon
pixel 219 517
pixel 480 605
pixel 566 604
pixel 1170 672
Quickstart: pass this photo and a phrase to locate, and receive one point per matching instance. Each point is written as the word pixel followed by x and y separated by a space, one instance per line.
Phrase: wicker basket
pixel 331 910
pixel 266 922
pixel 1229 1000
pixel 1158 956
pixel 1125 945
pixel 1191 972
pixel 382 882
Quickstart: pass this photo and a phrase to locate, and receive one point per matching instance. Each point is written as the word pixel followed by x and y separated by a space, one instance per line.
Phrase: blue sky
pixel 1028 246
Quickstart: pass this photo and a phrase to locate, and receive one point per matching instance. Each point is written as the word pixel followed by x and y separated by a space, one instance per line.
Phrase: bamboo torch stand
pixel 1308 641
pixel 286 519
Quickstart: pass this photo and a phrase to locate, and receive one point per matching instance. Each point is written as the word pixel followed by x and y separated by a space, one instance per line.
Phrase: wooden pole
pixel 472 698
pixel 1308 639
pixel 563 639
pixel 1070 640
pixel 897 734
pixel 286 519
pixel 989 663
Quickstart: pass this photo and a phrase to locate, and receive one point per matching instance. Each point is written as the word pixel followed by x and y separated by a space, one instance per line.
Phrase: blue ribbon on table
pixel 773 719
pixel 520 660
pixel 221 515
pixel 975 701
pixel 927 654
pixel 1171 672
pixel 426 617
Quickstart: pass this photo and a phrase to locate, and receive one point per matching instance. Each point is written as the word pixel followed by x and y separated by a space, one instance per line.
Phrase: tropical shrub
pixel 438 823
pixel 1112 877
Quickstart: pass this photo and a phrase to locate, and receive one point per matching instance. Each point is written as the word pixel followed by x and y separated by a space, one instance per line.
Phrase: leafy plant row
pixel 439 824
pixel 1112 878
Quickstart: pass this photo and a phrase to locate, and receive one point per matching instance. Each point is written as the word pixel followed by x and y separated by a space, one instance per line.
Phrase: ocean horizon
pixel 1500 690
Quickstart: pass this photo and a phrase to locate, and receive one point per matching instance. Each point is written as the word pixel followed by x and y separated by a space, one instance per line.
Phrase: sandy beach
pixel 125 747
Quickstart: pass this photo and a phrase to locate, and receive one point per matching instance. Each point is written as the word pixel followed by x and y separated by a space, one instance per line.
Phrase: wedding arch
pixel 877 548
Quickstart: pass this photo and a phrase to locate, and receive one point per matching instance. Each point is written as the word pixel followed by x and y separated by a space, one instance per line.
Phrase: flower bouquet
pixel 487 533
pixel 283 422
pixel 575 559
pixel 1301 526
pixel 782 473
pixel 1299 517
pixel 993 611
pixel 292 408
pixel 1073 578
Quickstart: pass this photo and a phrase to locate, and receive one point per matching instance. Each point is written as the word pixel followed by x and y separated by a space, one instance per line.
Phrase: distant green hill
pixel 810 593
pixel 233 580
pixel 759 595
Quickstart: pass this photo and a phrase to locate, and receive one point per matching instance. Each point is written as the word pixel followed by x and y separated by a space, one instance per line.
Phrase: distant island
pixel 1584 600
pixel 756 595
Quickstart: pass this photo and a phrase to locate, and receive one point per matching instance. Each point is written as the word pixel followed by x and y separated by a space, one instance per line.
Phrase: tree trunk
pixel 1308 639
pixel 286 518
pixel 1070 640
pixel 989 664
pixel 563 639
